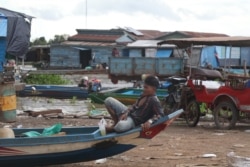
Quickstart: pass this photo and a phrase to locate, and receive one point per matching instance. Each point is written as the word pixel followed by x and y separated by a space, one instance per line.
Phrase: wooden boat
pixel 127 96
pixel 62 92
pixel 78 145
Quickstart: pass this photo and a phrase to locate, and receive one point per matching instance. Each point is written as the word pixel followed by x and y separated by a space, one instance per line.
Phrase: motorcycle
pixel 180 96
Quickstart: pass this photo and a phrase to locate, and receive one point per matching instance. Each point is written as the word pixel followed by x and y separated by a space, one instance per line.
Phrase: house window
pixel 235 52
pixel 225 52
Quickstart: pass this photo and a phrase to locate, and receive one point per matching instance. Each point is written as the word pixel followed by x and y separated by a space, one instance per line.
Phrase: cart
pixel 228 96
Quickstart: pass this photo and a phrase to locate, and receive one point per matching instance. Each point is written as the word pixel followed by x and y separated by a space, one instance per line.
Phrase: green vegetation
pixel 73 100
pixel 43 41
pixel 45 79
pixel 203 108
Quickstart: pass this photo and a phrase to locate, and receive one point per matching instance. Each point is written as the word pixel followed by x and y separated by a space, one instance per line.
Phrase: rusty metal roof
pixel 148 34
pixel 92 35
pixel 94 38
pixel 189 34
pixel 201 34
pixel 219 41
pixel 89 44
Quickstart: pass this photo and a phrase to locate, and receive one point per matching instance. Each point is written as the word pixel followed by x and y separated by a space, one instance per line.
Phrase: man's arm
pixel 157 110
pixel 126 113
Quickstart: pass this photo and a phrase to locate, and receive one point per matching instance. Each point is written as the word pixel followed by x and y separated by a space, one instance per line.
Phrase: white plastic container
pixel 102 126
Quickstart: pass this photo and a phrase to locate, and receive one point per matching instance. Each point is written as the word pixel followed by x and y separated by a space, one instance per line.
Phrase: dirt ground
pixel 177 146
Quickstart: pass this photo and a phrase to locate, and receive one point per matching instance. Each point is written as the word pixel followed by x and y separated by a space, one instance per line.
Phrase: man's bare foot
pixel 110 129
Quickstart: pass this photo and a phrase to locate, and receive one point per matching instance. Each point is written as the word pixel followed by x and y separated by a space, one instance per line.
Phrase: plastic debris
pixel 19 126
pixel 178 154
pixel 98 113
pixel 101 161
pixel 7 126
pixel 219 134
pixel 102 126
pixel 55 129
pixel 239 145
pixel 248 130
pixel 209 156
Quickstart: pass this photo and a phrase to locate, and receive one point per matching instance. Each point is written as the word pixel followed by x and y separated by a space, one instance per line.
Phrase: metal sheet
pixel 170 66
pixel 220 41
pixel 64 56
pixel 144 66
pixel 121 66
pixel 164 53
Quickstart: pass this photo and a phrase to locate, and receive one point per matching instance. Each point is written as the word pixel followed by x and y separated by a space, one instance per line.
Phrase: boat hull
pixel 78 145
pixel 127 96
pixel 81 155
pixel 60 92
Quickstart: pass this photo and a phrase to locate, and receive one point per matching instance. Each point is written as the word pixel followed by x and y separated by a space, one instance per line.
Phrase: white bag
pixel 102 126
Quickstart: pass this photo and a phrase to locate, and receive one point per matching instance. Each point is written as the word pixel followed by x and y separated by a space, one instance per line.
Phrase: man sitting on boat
pixel 140 113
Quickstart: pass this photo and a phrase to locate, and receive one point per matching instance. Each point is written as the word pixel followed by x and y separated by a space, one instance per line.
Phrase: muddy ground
pixel 177 146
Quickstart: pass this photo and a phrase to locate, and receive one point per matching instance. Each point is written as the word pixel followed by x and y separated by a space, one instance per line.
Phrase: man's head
pixel 151 83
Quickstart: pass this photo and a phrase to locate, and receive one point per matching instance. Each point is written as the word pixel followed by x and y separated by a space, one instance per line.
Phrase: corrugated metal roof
pixel 201 34
pixel 151 34
pixel 147 44
pixel 94 37
pixel 189 34
pixel 147 34
pixel 90 44
pixel 219 41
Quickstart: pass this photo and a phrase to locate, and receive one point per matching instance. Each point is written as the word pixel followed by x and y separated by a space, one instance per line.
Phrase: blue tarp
pixel 3 34
pixel 2 52
pixel 164 53
pixel 3 26
pixel 209 56
pixel 18 32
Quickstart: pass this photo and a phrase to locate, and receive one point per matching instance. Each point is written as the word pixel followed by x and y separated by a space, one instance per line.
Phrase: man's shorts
pixel 119 109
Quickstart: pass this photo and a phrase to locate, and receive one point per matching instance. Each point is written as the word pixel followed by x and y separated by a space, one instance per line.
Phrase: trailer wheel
pixel 192 113
pixel 225 115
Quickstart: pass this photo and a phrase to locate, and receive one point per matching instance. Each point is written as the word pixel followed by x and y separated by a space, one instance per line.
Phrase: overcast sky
pixel 64 16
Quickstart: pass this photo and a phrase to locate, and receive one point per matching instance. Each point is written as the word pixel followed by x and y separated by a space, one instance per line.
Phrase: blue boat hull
pixel 79 144
pixel 66 157
pixel 60 92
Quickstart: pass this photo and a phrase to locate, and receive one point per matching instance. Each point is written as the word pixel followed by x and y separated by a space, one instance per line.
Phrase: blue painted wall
pixel 69 56
pixel 64 56
pixel 102 54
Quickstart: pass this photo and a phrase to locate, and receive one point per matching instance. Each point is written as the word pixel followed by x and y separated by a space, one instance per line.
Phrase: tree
pixel 58 39
pixel 39 41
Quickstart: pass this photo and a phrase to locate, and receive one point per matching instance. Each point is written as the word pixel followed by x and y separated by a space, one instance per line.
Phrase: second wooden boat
pixel 127 96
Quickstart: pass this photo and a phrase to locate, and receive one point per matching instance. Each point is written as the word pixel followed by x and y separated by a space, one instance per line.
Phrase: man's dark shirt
pixel 145 108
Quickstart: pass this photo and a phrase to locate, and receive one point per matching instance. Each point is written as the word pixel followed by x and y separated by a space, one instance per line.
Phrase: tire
pixel 231 117
pixel 192 113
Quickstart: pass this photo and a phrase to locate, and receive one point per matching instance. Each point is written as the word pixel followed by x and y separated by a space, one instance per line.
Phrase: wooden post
pixel 245 68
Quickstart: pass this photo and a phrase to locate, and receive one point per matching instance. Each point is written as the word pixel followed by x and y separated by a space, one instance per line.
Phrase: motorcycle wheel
pixel 192 113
